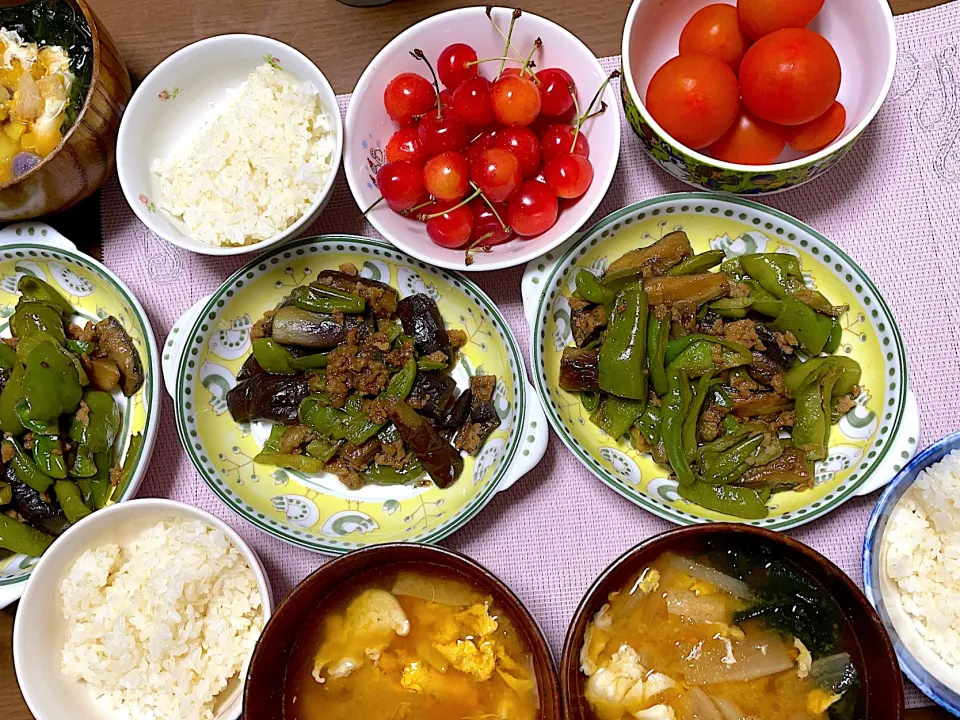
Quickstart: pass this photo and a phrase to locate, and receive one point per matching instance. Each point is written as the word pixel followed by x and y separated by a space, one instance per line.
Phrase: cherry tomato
pixel 487 230
pixel 714 30
pixel 450 228
pixel 516 100
pixel 401 184
pixel 497 173
pixel 751 141
pixel 556 100
pixel 559 140
pixel 471 101
pixel 447 176
pixel 568 175
pixel 762 17
pixel 404 144
pixel 453 66
pixel 694 98
pixel 532 209
pixel 439 135
pixel 817 134
pixel 524 144
pixel 790 76
pixel 408 96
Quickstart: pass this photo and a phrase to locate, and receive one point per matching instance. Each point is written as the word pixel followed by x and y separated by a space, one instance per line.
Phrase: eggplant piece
pixel 114 343
pixel 695 289
pixel 652 260
pixel 294 326
pixel 250 368
pixel 472 435
pixel 40 509
pixel 421 320
pixel 380 297
pixel 440 459
pixel 580 370
pixel 103 373
pixel 431 394
pixel 459 413
pixel 790 471
pixel 587 322
pixel 268 397
pixel 358 457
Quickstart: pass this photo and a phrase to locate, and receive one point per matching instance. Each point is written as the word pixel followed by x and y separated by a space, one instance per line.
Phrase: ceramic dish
pixel 871 652
pixel 263 695
pixel 868 447
pixel 37 249
pixel 207 346
pixel 39 632
pixel 864 37
pixel 911 650
pixel 177 97
pixel 369 128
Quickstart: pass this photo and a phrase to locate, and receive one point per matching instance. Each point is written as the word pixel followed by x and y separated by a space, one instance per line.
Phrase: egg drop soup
pixel 412 643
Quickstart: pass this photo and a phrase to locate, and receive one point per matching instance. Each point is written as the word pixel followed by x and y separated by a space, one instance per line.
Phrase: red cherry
pixel 497 173
pixel 558 140
pixel 447 176
pixel 556 102
pixel 484 141
pixel 516 100
pixel 446 102
pixel 452 228
pixel 524 144
pixel 401 184
pixel 452 65
pixel 532 209
pixel 440 135
pixel 404 144
pixel 485 223
pixel 568 175
pixel 407 96
pixel 471 101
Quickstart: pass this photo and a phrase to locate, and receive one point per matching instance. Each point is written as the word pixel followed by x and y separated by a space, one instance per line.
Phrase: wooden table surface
pixel 147 31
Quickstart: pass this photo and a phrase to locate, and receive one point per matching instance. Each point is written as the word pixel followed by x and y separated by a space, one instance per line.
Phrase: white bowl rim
pixel 830 149
pixel 145 89
pixel 588 210
pixel 20 638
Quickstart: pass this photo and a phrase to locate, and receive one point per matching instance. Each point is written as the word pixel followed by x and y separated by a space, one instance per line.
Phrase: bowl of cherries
pixel 482 138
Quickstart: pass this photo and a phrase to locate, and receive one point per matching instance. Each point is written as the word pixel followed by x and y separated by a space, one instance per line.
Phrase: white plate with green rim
pixel 207 346
pixel 867 447
pixel 37 249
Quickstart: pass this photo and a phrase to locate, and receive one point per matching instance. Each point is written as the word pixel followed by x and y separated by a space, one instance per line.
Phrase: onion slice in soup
pixel 720 659
pixel 722 581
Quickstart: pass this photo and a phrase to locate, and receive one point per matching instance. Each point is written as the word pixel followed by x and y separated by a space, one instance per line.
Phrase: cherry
pixel 559 140
pixel 438 135
pixel 516 100
pixel 408 96
pixel 404 144
pixel 401 184
pixel 524 144
pixel 453 67
pixel 568 175
pixel 447 176
pixel 487 225
pixel 556 101
pixel 497 173
pixel 452 225
pixel 483 141
pixel 532 209
pixel 446 102
pixel 471 101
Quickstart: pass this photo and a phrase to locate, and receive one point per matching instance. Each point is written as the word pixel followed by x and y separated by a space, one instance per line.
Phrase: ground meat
pixel 785 419
pixel 348 268
pixel 710 422
pixel 587 323
pixel 359 457
pixel 294 437
pixel 711 325
pixel 116 474
pixel 262 327
pixel 684 314
pixel 482 387
pixel 7 452
pixel 348 476
pixel 377 341
pixel 577 303
pixel 743 332
pixel 396 359
pixel 350 367
pixel 654 399
pixel 739 290
pixel 457 338
pixel 83 414
pixel 87 333
pixel 392 454
pixel 778 383
pixel 378 409
pixel 743 384
pixel 316 382
pixel 845 404
pixel 786 341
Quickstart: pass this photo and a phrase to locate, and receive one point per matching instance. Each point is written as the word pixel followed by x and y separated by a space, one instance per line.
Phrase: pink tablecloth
pixel 893 204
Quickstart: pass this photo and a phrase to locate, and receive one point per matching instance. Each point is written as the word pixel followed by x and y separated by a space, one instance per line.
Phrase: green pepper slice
pixel 325 299
pixel 33 288
pixel 672 415
pixel 48 455
pixel 649 425
pixel 623 354
pixel 301 463
pixel 275 359
pixel 658 337
pixel 71 500
pixel 590 288
pixel 8 356
pixel 849 368
pixel 322 418
pixel 26 470
pixel 10 398
pixel 615 415
pixel 102 424
pixel 361 428
pixel 6 493
pixel 589 400
pixel 51 384
pixel 83 464
pixel 386 475
pixel 700 355
pixel 810 328
pixel 689 433
pixel 323 449
pixel 35 317
pixel 20 538
pixel 697 264
pixel 813 411
pixel 428 365
pixel 739 502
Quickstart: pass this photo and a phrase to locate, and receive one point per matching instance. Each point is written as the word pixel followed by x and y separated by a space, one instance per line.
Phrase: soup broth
pixel 720 636
pixel 417 642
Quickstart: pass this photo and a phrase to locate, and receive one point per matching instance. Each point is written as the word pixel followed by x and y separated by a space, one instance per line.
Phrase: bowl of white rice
pixel 911 569
pixel 146 610
pixel 230 145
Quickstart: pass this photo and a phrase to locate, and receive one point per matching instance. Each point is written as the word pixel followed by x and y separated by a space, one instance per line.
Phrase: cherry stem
pixel 418 54
pixel 468 260
pixel 424 218
pixel 513 21
pixel 505 59
pixel 612 76
pixel 576 109
pixel 417 207
pixel 601 111
pixel 537 44
pixel 375 203
pixel 503 225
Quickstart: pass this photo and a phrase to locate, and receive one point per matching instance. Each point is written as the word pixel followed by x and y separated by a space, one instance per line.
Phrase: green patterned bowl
pixel 38 249
pixel 869 445
pixel 861 32
pixel 207 346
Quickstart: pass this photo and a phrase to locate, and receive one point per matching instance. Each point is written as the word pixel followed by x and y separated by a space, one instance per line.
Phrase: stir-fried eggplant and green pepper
pixel 357 383
pixel 59 419
pixel 728 377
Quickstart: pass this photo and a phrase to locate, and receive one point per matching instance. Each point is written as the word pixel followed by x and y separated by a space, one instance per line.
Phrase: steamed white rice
pixel 157 628
pixel 922 559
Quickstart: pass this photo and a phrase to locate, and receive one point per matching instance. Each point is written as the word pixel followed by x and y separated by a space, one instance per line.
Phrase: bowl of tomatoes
pixel 752 97
pixel 482 138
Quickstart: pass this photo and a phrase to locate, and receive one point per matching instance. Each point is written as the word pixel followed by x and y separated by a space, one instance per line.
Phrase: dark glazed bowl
pixel 84 159
pixel 263 692
pixel 870 648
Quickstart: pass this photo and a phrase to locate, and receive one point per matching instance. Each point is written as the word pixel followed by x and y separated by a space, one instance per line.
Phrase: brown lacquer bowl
pixel 864 636
pixel 263 693
pixel 85 157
